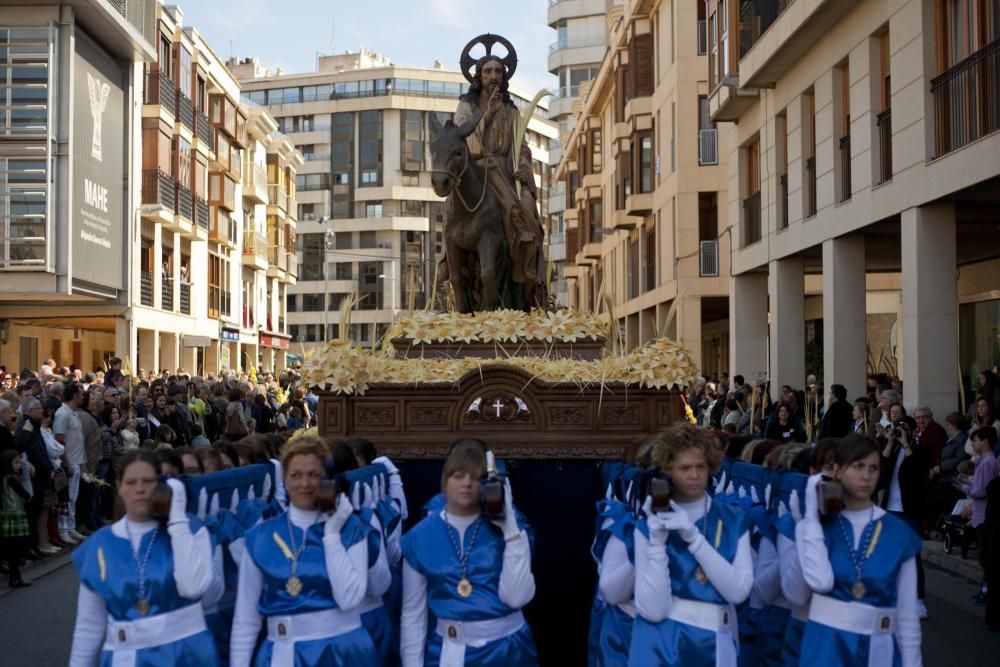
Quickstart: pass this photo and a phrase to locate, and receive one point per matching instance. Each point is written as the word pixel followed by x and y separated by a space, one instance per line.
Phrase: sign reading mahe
pixel 98 167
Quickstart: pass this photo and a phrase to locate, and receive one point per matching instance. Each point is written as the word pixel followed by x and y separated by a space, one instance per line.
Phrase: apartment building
pixel 864 166
pixel 208 298
pixel 645 184
pixel 575 57
pixel 369 224
pixel 70 81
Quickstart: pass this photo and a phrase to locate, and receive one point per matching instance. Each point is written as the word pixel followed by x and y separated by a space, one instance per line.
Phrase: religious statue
pixel 493 234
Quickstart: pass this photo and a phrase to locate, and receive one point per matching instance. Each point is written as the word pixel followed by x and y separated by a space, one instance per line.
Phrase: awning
pixel 274 341
pixel 196 341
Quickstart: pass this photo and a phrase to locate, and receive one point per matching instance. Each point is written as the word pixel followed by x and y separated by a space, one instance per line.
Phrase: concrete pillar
pixel 169 356
pixel 187 360
pixel 786 289
pixel 930 308
pixel 748 325
pixel 125 341
pixel 688 316
pixel 844 332
pixel 212 358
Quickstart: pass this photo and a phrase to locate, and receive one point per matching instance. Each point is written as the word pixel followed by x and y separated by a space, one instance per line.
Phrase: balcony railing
pixel 254 243
pixel 167 294
pixel 810 186
pixel 751 219
pixel 185 110
pixel 203 130
pixel 708 258
pixel 277 195
pixel 185 202
pixel 293 266
pixel 845 167
pixel 200 212
pixel 186 298
pixel 702 38
pixel 277 257
pixel 783 201
pixel 159 89
pixel 967 100
pixel 146 289
pixel 883 123
pixel 708 146
pixel 580 43
pixel 158 187
pixel 756 17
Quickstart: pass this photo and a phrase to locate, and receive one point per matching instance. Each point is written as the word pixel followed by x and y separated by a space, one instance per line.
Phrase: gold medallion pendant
pixel 464 588
pixel 293 586
pixel 858 590
pixel 701 576
pixel 142 606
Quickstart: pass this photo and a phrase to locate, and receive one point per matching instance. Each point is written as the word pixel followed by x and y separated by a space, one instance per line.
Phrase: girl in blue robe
pixel 861 567
pixel 218 603
pixel 374 615
pixel 303 576
pixel 471 575
pixel 140 581
pixel 695 565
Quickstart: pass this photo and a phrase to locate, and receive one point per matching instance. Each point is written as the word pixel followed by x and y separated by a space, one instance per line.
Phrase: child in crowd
pixel 14 529
pixel 130 435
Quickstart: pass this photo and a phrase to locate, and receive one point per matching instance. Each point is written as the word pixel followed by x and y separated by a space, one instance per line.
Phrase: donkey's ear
pixel 434 123
pixel 469 126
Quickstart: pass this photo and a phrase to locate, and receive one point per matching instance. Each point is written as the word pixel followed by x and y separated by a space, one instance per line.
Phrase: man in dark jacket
pixel 838 419
pixel 929 435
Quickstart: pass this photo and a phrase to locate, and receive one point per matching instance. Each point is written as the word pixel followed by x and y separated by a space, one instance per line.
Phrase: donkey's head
pixel 449 153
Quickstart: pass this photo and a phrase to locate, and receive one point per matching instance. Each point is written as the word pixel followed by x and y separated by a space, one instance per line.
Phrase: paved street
pixel 37 625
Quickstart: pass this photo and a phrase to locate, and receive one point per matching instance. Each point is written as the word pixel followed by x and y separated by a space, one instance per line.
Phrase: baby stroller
pixel 955 530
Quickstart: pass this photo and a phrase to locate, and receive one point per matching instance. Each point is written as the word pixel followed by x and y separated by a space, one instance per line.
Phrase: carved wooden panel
pixel 624 416
pixel 332 418
pixel 569 416
pixel 377 416
pixel 427 416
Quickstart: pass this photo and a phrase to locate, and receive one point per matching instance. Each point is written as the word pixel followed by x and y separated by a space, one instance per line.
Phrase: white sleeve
pixel 617 579
pixel 218 586
pixel 793 584
pixel 394 551
pixel 193 567
pixel 246 619
pixel 813 556
pixel 732 580
pixel 347 569
pixel 517 582
pixel 907 619
pixel 396 493
pixel 379 576
pixel 653 598
pixel 236 549
pixel 91 624
pixel 767 572
pixel 413 624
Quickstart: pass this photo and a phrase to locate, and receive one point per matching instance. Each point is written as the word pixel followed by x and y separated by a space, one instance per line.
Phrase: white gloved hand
pixel 730 490
pixel 753 495
pixel 812 500
pixel 657 531
pixel 369 497
pixel 178 501
pixel 782 509
pixel 356 496
pixel 678 520
pixel 389 465
pixel 339 517
pixel 720 488
pixel 508 524
pixel 742 493
pixel 794 507
pixel 767 495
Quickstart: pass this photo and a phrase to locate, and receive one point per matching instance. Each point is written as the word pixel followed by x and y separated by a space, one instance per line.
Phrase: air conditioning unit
pixel 708 255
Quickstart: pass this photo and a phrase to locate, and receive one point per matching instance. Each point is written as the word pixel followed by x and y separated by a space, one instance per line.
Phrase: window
pixel 24 76
pixel 844 144
pixel 645 162
pixel 344 271
pixel 708 152
pixel 312 303
pixel 649 241
pixel 183 161
pixel 595 151
pixel 165 58
pixel 751 202
pixel 290 300
pixel 370 154
pixel 809 153
pixel 411 127
pixel 373 210
pixel 781 136
pixel 23 206
pixel 596 217
pixel 366 239
pixel 184 72
pixel 313 257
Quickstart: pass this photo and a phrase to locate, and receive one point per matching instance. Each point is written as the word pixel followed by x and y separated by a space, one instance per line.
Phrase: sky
pixel 290 33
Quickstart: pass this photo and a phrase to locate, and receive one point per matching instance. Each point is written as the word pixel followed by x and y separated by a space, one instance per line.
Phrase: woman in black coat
pixel 28 440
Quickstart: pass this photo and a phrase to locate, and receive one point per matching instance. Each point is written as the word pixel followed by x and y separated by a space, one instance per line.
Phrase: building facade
pixel 575 57
pixel 370 227
pixel 645 185
pixel 69 157
pixel 864 166
pixel 208 298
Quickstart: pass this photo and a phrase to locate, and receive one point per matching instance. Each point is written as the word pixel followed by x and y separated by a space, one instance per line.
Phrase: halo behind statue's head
pixel 509 61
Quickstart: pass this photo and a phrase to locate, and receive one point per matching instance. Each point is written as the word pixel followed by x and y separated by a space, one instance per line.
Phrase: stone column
pixel 844 325
pixel 930 308
pixel 149 351
pixel 748 325
pixel 688 316
pixel 169 354
pixel 786 288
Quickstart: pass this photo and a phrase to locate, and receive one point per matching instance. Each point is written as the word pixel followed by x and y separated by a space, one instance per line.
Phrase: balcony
pixel 708 146
pixel 883 127
pixel 223 227
pixel 186 298
pixel 204 130
pixel 708 258
pixel 293 266
pixel 200 212
pixel 277 196
pixel 185 202
pixel 751 219
pixel 637 204
pixel 254 250
pixel 967 100
pixel 167 294
pixel 159 189
pixel 277 261
pixel 254 183
pixel 248 318
pixel 565 52
pixel 702 38
pixel 159 89
pixel 185 111
pixel 146 289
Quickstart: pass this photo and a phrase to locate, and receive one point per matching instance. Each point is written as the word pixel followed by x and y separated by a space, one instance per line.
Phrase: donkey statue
pixel 476 252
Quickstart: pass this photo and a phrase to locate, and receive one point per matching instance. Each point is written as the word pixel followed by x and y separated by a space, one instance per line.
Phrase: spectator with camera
pixel 905 470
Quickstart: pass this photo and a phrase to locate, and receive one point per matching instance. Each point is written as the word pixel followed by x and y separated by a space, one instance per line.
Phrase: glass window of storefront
pixel 979 338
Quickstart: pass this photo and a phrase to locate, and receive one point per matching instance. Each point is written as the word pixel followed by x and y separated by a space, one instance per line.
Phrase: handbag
pixel 60 481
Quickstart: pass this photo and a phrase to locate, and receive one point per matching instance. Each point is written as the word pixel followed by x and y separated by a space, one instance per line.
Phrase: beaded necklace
pixel 142 604
pixel 464 587
pixel 859 556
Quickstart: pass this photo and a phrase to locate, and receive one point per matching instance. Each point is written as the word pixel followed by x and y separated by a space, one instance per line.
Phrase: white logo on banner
pixel 98 100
